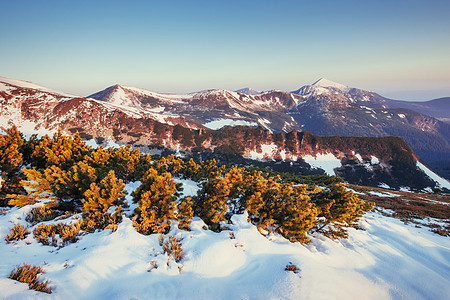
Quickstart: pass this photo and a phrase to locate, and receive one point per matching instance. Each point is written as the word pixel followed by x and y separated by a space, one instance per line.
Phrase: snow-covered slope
pixel 35 109
pixel 321 86
pixel 325 83
pixel 384 259
pixel 27 105
pixel 442 182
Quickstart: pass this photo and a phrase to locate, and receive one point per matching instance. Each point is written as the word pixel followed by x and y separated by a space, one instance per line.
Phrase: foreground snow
pixel 385 260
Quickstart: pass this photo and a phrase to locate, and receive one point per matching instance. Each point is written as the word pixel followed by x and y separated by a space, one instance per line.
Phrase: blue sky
pixel 400 49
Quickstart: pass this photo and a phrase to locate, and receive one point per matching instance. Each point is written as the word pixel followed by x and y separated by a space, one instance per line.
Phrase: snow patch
pixel 374 160
pixel 219 123
pixel 190 187
pixel 328 162
pixel 384 186
pixel 440 181
pixel 384 194
pixel 267 152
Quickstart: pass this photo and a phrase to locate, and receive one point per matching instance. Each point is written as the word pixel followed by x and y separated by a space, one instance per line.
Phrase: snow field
pixel 385 260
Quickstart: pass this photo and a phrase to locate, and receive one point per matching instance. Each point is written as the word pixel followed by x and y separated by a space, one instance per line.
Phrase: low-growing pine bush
pixel 156 199
pixel 185 213
pixel 29 274
pixel 97 220
pixel 40 214
pixel 18 232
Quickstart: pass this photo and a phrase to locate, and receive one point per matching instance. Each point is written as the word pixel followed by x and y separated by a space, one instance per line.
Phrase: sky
pixel 400 49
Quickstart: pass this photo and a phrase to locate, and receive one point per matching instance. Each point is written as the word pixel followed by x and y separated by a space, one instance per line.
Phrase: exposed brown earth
pixel 412 207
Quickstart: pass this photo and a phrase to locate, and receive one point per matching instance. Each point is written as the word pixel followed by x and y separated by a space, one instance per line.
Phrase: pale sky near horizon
pixel 400 49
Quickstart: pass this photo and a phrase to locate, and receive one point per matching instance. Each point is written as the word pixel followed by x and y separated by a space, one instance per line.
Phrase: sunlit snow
pixel 441 181
pixel 30 85
pixel 219 123
pixel 385 259
pixel 328 162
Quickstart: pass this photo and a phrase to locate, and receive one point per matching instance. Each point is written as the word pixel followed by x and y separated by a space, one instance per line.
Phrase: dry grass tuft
pixel 29 274
pixel 48 234
pixel 293 268
pixel 18 232
pixel 173 248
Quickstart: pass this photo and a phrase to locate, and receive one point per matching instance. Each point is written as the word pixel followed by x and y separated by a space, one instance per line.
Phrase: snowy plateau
pixel 383 259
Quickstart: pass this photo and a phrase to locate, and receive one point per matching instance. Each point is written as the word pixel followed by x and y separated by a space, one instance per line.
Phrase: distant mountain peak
pixel 116 86
pixel 323 82
pixel 248 91
pixel 320 87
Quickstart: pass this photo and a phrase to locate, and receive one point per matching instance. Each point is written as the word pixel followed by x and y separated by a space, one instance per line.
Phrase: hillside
pixel 437 108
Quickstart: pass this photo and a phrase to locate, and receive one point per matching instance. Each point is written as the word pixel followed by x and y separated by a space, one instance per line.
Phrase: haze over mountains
pixel 195 123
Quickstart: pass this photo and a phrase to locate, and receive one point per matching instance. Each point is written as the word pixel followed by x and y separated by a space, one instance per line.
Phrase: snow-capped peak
pixel 322 86
pixel 323 82
pixel 248 91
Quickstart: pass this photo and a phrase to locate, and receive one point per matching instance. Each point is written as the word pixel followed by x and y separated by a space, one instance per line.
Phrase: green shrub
pixel 18 232
pixel 156 199
pixel 185 213
pixel 338 209
pixel 29 274
pixel 212 202
pixel 10 150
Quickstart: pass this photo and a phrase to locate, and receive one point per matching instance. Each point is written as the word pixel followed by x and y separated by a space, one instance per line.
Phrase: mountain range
pixel 273 128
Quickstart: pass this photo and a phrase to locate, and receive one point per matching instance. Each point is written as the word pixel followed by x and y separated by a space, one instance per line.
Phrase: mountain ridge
pixel 184 127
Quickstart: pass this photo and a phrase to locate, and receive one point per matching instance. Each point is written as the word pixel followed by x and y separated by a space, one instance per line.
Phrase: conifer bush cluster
pixel 30 274
pixel 69 176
